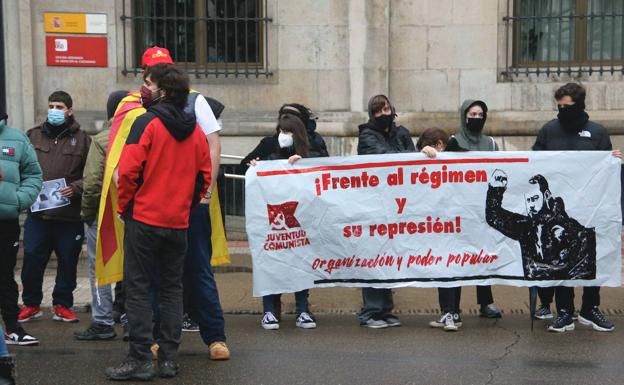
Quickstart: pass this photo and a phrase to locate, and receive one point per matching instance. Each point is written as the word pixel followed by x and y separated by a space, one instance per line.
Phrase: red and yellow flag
pixel 109 244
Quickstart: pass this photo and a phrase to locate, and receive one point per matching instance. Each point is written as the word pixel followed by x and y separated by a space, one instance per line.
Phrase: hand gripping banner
pixel 398 220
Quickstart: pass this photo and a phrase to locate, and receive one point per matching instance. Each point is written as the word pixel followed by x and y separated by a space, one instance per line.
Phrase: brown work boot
pixel 154 348
pixel 219 351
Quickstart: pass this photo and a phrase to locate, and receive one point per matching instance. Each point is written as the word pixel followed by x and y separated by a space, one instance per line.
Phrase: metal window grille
pixel 221 38
pixel 572 37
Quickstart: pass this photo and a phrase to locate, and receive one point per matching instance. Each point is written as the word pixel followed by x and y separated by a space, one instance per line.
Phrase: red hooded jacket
pixel 164 168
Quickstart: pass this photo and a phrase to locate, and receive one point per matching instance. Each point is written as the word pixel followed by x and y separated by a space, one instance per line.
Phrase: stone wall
pixel 332 55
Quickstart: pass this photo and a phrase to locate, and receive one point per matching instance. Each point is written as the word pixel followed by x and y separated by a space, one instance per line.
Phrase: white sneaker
pixel 305 321
pixel 445 322
pixel 269 322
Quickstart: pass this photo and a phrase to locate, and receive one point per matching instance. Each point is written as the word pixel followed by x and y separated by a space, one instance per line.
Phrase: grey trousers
pixel 101 296
pixel 377 304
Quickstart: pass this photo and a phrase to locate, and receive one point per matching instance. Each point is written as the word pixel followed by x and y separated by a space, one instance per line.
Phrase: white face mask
pixel 285 140
pixel 220 123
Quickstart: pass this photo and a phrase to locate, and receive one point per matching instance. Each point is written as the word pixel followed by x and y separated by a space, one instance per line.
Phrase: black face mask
pixel 475 125
pixel 384 121
pixel 570 115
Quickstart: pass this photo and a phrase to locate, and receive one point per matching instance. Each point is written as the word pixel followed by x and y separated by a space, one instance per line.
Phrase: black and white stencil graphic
pixel 50 196
pixel 553 245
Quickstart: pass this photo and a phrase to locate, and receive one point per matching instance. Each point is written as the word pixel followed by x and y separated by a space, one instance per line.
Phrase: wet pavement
pixel 341 352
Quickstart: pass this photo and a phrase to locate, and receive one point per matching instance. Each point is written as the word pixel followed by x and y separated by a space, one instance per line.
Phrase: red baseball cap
pixel 156 55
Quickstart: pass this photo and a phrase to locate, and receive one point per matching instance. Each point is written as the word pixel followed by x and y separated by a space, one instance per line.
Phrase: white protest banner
pixel 398 220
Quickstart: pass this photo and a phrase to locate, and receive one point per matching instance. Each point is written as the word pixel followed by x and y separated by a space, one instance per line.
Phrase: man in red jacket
pixel 164 170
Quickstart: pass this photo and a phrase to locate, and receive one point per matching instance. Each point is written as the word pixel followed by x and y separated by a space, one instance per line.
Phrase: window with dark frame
pixel 208 37
pixel 571 37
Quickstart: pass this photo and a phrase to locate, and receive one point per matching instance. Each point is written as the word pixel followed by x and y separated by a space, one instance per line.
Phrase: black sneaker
pixel 305 321
pixel 167 369
pixel 95 332
pixel 563 322
pixel 132 370
pixel 490 311
pixel 596 320
pixel 188 325
pixel 269 322
pixel 20 337
pixel 543 312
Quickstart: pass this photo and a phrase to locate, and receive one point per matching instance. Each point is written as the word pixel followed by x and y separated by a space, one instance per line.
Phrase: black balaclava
pixel 572 117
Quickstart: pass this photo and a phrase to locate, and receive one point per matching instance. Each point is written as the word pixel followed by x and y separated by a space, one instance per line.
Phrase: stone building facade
pixel 332 55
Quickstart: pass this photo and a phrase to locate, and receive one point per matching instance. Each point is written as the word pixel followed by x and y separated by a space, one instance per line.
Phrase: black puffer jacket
pixel 375 141
pixel 590 136
pixel 269 149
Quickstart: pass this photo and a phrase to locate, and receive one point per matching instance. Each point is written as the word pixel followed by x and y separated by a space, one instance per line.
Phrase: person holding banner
pixel 573 131
pixel 430 142
pixel 269 144
pixel 293 145
pixel 472 117
pixel 381 135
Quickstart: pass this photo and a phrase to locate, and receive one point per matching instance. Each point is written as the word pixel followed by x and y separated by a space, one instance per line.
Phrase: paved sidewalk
pixel 235 289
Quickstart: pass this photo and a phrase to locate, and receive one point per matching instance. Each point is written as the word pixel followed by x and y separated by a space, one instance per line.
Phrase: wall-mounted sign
pixel 77 51
pixel 74 23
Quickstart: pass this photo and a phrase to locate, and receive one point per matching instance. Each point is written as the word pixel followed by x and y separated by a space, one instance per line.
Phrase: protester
pixel 431 142
pixel 269 145
pixel 292 145
pixel 202 306
pixel 20 182
pixel 472 118
pixel 151 167
pixel 61 148
pixel 381 135
pixel 573 131
pixel 102 323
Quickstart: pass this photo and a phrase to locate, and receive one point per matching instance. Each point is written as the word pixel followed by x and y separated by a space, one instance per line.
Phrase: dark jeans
pixel 301 302
pixel 201 296
pixel 564 296
pixel 376 304
pixel 41 237
pixel 9 245
pixel 154 256
pixel 546 295
pixel 450 298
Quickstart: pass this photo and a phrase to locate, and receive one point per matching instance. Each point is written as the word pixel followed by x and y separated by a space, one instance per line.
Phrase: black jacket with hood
pixel 269 149
pixel 376 140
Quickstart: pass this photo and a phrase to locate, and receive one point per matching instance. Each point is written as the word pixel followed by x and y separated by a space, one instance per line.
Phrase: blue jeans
pixel 301 302
pixel 41 237
pixel 101 296
pixel 201 297
pixel 4 352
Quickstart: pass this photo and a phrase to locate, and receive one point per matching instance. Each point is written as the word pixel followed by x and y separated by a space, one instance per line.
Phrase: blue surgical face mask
pixel 56 117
